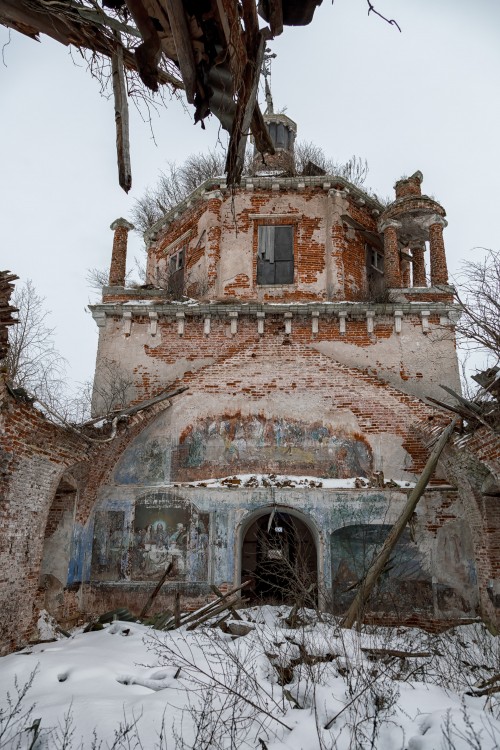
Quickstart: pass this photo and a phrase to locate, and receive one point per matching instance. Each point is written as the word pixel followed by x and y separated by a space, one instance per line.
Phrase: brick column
pixel 118 267
pixel 392 265
pixel 405 270
pixel 417 251
pixel 439 270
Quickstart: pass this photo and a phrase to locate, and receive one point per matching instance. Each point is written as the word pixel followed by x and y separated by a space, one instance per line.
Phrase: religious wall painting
pixel 163 533
pixel 405 583
pixel 233 443
pixel 169 536
pixel 146 461
pixel 109 548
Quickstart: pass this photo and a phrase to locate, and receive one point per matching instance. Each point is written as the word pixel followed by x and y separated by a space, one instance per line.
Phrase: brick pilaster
pixel 405 272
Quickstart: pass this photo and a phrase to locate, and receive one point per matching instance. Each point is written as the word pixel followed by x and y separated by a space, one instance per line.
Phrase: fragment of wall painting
pixel 162 534
pixel 218 445
pixel 405 582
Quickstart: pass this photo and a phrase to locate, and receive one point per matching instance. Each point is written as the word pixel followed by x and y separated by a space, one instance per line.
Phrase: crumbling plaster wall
pixel 411 361
pixel 446 579
pixel 41 534
pixel 35 454
pixel 469 460
pixel 414 361
pixel 222 243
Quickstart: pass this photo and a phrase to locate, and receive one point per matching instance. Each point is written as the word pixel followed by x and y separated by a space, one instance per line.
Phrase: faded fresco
pixel 146 461
pixel 164 534
pixel 221 445
pixel 405 583
pixel 109 551
pixel 161 534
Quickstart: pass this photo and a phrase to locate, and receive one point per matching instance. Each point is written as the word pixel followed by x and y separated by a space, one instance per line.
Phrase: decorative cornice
pixel 236 309
pixel 298 183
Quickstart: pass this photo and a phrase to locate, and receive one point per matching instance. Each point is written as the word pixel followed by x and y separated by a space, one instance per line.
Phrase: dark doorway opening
pixel 279 557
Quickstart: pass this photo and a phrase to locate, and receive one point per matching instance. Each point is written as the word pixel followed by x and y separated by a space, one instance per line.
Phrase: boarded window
pixel 374 272
pixel 176 272
pixel 275 255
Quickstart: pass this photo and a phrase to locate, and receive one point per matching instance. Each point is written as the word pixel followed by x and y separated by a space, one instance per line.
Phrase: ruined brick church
pixel 273 373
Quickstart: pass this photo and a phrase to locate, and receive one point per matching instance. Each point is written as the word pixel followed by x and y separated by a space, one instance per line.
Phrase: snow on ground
pixel 310 687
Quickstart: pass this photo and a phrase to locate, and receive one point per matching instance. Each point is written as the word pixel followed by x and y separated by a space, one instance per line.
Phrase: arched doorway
pixel 279 557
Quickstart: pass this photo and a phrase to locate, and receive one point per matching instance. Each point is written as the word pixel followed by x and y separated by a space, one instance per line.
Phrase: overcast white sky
pixel 424 99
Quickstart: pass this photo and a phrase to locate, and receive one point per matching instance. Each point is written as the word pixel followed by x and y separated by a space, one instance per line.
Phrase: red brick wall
pixel 35 454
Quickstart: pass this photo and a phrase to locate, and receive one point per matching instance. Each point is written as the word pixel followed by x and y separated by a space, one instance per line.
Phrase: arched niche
pixel 404 586
pixel 57 546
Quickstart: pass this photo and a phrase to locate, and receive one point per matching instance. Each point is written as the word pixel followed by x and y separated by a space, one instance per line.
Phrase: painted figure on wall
pixel 230 443
pixel 405 582
pixel 161 535
pixel 109 553
pixel 168 535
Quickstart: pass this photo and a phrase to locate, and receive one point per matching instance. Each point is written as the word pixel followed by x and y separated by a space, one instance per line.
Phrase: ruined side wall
pixel 472 462
pixel 35 454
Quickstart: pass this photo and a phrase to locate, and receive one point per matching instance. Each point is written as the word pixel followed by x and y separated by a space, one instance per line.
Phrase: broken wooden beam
pixel 191 616
pixel 154 594
pixel 381 652
pixel 184 48
pixel 220 595
pixel 213 613
pixel 121 116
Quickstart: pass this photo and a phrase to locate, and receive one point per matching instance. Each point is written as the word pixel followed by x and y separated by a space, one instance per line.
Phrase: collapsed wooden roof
pixel 213 49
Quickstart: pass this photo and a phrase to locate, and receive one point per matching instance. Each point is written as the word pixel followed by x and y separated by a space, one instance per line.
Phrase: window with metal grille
pixel 275 255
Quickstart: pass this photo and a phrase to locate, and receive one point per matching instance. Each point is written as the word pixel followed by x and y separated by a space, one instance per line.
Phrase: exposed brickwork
pixel 6 309
pixel 35 454
pixel 118 268
pixel 392 266
pixel 409 186
pixel 411 204
pixel 419 278
pixel 353 371
pixel 439 270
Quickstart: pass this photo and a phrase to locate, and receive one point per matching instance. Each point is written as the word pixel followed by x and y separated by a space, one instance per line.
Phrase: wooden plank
pixel 158 12
pixel 245 106
pixel 211 605
pixel 276 17
pixel 153 596
pixel 220 594
pixel 183 46
pixel 121 116
pixel 263 142
pixel 177 609
pixel 227 605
